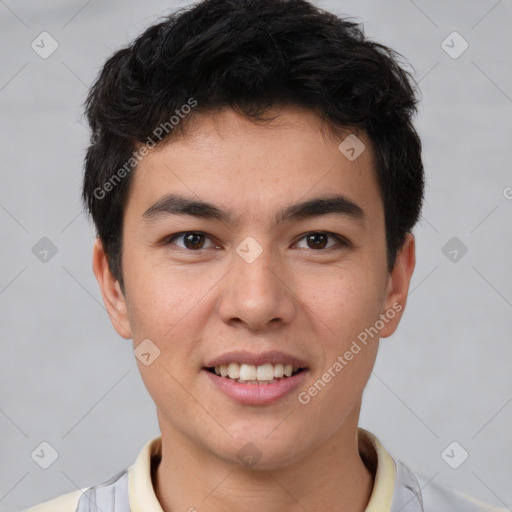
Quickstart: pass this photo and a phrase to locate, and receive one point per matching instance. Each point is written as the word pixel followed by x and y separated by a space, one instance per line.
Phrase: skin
pixel 308 302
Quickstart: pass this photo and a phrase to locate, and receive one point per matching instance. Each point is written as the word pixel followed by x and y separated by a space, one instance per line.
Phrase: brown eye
pixel 318 240
pixel 191 240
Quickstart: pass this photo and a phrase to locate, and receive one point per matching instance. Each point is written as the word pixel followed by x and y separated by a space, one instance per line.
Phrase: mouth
pixel 256 379
pixel 263 374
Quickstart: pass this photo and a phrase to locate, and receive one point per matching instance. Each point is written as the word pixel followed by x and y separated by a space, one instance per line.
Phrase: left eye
pixel 318 240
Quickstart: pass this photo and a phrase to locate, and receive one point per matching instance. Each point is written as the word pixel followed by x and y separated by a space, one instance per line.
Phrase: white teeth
pixel 248 372
pixel 265 372
pixel 251 374
pixel 278 370
pixel 233 371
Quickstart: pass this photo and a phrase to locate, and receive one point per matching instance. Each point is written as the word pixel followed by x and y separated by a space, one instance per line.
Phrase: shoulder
pixel 440 498
pixel 411 490
pixel 64 503
pixel 111 495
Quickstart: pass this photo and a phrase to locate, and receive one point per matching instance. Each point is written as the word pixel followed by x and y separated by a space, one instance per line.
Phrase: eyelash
pixel 341 241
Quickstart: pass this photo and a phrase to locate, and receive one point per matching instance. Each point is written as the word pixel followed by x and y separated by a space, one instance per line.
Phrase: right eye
pixel 191 240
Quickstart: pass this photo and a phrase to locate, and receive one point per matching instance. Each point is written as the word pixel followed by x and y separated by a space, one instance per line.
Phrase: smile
pixel 244 373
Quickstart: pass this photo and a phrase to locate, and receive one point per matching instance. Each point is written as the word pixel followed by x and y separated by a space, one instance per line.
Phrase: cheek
pixel 334 394
pixel 171 307
pixel 349 307
pixel 345 300
pixel 160 295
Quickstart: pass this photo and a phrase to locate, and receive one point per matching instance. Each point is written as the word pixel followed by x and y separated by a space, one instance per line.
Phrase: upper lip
pixel 272 357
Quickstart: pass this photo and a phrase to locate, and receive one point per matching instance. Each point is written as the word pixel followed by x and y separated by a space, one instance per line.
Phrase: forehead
pixel 259 168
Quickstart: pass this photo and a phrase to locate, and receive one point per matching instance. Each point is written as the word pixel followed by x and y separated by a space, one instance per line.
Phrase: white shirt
pixel 396 488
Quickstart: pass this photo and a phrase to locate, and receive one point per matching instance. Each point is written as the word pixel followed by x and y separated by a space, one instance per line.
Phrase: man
pixel 254 177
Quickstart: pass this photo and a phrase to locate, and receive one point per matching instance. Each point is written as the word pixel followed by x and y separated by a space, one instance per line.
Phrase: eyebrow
pixel 174 204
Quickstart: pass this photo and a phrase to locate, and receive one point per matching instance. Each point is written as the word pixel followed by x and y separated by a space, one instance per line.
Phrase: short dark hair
pixel 251 55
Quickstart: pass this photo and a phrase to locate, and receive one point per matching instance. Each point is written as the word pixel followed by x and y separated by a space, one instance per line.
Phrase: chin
pixel 256 451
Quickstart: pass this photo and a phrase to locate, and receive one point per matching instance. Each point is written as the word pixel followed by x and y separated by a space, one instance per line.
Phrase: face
pixel 258 248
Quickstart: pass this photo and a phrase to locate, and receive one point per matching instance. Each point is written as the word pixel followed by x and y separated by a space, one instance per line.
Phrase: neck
pixel 334 477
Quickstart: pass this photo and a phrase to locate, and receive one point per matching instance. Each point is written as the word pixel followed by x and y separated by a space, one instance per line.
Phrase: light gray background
pixel 68 379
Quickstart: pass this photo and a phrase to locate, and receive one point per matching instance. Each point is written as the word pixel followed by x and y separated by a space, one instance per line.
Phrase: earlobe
pixel 113 297
pixel 398 286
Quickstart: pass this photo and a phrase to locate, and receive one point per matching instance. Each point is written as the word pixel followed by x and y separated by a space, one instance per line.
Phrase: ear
pixel 113 297
pixel 398 286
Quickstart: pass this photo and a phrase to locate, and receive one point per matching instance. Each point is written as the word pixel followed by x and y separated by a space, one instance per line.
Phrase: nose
pixel 257 294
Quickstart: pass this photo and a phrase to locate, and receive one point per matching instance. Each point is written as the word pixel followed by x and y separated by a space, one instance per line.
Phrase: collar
pixel 380 463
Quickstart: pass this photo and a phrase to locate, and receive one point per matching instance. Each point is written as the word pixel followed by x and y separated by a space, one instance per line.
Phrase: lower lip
pixel 257 394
